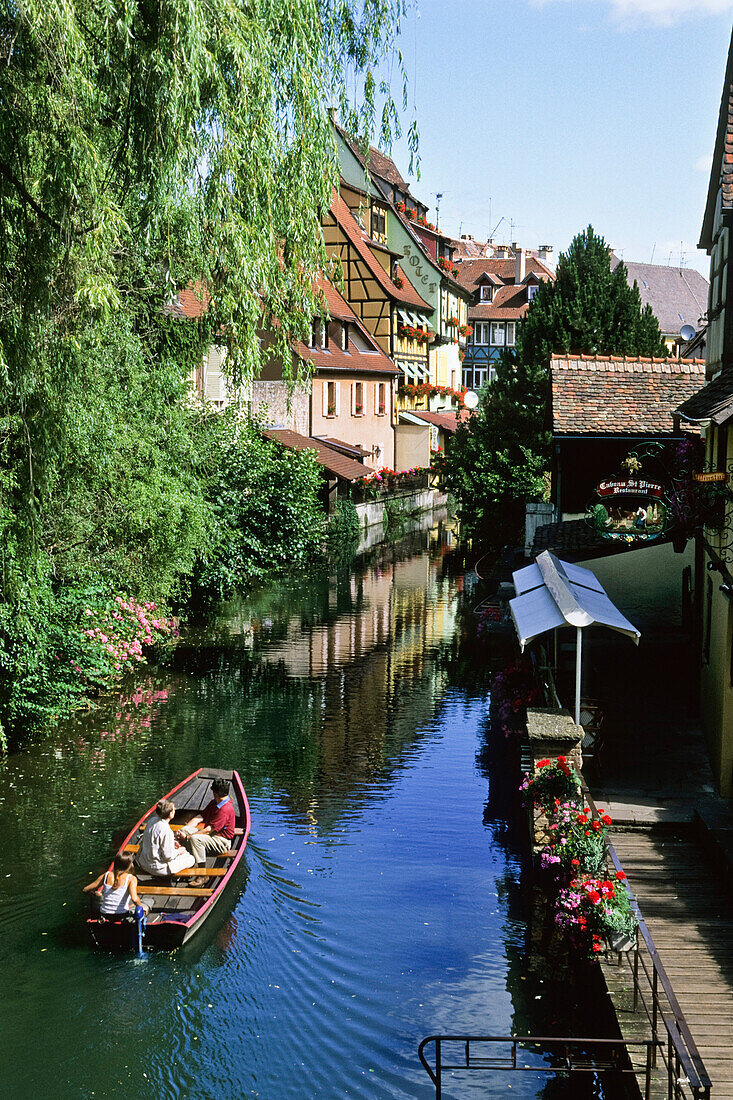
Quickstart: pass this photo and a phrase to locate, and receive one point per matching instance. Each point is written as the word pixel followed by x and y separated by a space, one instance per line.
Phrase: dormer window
pixel 532 291
pixel 486 292
pixel 379 222
pixel 344 337
pixel 319 334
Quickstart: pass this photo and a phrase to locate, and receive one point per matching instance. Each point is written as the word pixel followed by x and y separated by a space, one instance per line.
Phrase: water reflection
pixel 381 898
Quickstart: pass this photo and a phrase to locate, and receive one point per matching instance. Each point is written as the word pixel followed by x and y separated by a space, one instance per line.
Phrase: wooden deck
pixel 686 903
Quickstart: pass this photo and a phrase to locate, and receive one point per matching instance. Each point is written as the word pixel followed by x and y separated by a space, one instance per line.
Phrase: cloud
pixel 704 163
pixel 661 12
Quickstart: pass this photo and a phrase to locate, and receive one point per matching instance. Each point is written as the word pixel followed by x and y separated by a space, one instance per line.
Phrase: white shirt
pixel 158 847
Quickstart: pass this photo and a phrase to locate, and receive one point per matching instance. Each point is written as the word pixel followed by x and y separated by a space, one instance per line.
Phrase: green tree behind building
pixel 499 459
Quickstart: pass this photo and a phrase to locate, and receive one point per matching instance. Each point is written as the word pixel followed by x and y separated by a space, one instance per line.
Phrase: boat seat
pixel 175 891
pixel 203 872
pixel 131 849
pixel 180 824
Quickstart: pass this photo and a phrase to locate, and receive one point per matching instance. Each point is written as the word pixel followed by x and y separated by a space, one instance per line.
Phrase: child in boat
pixel 118 888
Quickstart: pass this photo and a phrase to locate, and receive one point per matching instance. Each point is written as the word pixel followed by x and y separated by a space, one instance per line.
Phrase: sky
pixel 539 117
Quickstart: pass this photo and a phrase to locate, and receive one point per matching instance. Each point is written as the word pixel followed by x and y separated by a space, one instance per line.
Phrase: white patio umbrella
pixel 552 593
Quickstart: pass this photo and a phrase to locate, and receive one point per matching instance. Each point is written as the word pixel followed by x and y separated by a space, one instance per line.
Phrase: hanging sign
pixel 629 510
pixel 630 486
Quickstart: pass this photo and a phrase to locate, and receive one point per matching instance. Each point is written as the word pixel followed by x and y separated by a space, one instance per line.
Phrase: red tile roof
pixel 470 271
pixel 191 302
pixel 338 307
pixel 335 463
pixel 617 395
pixel 405 295
pixel 353 361
pixel 448 421
pixel 509 304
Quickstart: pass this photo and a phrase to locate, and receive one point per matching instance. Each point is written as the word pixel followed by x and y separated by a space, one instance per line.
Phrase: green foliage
pixel 145 148
pixel 343 531
pixel 499 459
pixel 267 516
pixel 600 517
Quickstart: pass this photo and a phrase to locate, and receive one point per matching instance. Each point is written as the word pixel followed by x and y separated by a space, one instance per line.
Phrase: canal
pixel 382 897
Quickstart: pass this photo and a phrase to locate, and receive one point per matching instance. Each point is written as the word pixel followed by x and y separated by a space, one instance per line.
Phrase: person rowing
pixel 118 888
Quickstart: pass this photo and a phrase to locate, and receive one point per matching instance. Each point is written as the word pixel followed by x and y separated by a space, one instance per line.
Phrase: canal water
pixel 382 896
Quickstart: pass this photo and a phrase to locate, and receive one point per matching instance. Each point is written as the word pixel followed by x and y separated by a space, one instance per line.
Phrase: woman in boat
pixel 160 853
pixel 118 888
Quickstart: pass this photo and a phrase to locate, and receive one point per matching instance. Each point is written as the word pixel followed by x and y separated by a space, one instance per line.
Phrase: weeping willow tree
pixel 147 146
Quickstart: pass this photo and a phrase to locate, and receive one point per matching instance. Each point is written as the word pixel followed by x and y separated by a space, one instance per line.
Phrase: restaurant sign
pixel 630 509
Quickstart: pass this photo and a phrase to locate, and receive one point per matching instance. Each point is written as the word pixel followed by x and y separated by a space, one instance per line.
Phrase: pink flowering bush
pixel 116 634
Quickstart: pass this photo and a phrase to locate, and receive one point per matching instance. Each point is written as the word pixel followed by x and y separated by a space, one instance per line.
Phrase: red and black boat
pixel 176 910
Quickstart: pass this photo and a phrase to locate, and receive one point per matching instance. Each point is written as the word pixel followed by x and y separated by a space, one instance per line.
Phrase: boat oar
pixel 141 921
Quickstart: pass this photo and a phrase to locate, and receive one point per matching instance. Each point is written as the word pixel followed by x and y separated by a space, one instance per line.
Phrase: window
pixel 486 292
pixel 380 402
pixel 357 398
pixel 481 332
pixel 330 399
pixel 344 337
pixel 497 333
pixel 319 334
pixel 510 327
pixel 532 292
pixel 379 222
pixel 722 448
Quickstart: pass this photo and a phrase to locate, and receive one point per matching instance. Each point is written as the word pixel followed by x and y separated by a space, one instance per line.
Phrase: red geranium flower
pixel 620 876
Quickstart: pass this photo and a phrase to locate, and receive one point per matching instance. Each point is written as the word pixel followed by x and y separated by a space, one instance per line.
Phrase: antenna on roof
pixel 651 259
pixel 438 197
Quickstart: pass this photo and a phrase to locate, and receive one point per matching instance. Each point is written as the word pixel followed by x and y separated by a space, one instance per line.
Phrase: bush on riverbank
pixel 266 515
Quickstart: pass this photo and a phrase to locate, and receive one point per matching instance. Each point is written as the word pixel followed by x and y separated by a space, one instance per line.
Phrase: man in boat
pixel 160 853
pixel 213 831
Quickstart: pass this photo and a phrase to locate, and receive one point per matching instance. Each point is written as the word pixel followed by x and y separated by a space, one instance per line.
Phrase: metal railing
pixel 529 1053
pixel 686 1073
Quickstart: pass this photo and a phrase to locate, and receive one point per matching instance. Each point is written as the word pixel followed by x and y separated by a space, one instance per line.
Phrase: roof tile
pixel 615 395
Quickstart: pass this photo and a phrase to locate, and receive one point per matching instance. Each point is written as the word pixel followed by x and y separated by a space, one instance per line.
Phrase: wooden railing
pixel 654 995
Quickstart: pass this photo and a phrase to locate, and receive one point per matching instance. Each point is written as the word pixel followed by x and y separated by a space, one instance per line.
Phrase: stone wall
pixel 292 414
pixel 371 512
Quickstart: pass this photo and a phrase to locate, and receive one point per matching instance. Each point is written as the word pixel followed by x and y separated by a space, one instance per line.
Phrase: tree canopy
pixel 146 147
pixel 499 459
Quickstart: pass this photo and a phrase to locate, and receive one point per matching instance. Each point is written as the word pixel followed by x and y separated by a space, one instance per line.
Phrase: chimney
pixel 520 267
pixel 545 254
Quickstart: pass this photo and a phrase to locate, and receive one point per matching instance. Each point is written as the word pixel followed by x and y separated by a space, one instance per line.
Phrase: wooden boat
pixel 177 910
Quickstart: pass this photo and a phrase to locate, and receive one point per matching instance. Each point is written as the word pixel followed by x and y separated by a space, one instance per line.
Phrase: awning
pixel 410 418
pixel 553 593
pixel 404 316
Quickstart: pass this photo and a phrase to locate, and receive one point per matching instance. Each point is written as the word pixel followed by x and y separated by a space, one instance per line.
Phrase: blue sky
pixel 553 114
